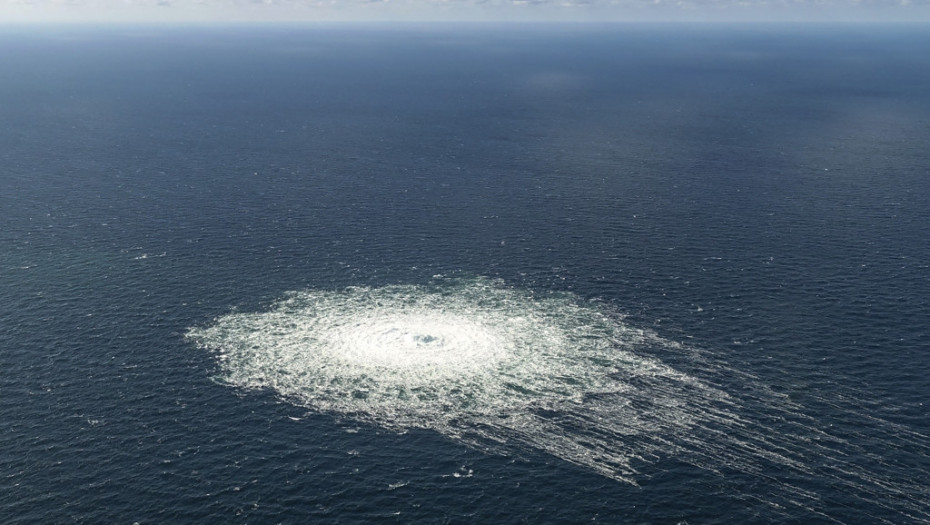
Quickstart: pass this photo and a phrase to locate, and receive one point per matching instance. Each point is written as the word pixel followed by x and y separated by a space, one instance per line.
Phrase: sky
pixel 57 11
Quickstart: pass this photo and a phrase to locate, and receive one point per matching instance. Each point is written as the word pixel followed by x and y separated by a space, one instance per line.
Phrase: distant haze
pixel 56 11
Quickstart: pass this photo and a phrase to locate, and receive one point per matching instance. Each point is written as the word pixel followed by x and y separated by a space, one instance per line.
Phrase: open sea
pixel 465 274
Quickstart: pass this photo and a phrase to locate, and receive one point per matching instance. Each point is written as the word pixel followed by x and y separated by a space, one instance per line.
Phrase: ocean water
pixel 465 274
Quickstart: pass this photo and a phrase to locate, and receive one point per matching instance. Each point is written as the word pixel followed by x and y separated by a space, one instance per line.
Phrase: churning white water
pixel 472 359
pixel 504 368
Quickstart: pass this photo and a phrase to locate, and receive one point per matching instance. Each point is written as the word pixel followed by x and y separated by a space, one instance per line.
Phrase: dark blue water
pixel 757 196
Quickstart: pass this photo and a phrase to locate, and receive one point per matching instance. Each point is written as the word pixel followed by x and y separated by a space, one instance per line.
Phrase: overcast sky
pixel 463 10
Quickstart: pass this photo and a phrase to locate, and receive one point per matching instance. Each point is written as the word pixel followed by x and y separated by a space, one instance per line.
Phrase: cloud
pixel 543 10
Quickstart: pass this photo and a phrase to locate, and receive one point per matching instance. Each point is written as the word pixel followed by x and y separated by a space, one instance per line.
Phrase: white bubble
pixel 505 369
pixel 472 359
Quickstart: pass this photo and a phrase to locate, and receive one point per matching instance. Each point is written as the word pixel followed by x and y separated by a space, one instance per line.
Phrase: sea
pixel 453 273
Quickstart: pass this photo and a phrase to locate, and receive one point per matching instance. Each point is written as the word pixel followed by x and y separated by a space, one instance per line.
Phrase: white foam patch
pixel 471 359
pixel 504 369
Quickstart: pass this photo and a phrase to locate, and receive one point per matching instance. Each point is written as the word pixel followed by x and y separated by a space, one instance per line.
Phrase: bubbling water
pixel 472 359
pixel 417 340
pixel 505 369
